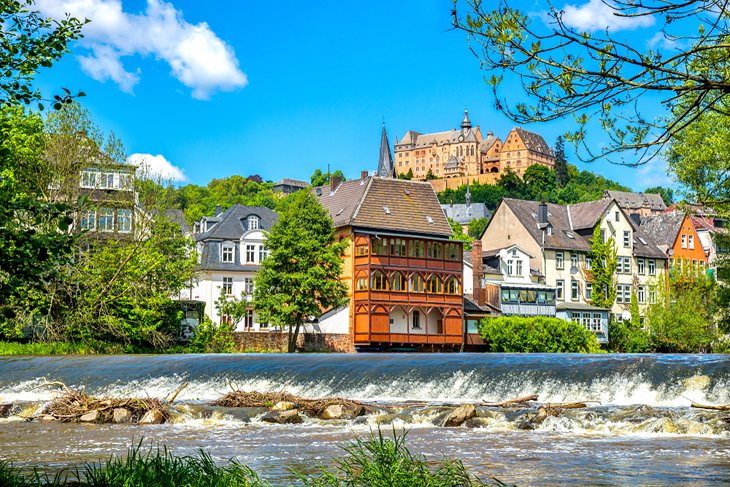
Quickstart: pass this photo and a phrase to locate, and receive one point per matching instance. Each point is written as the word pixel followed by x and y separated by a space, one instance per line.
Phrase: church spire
pixel 466 123
pixel 386 167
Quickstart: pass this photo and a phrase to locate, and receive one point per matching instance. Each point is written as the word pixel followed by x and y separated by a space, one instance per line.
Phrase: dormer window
pixel 227 252
pixel 252 222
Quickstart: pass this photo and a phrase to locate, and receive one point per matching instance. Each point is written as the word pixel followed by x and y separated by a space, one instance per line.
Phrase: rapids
pixel 639 428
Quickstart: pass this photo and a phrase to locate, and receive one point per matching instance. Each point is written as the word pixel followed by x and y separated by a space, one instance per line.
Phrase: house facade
pixel 676 234
pixel 557 239
pixel 231 247
pixel 403 274
pixel 463 153
pixel 112 211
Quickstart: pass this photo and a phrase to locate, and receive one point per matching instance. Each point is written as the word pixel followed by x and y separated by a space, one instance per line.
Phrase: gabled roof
pixel 634 201
pixel 562 235
pixel 586 215
pixel 386 204
pixel 663 228
pixel 232 222
pixel 534 142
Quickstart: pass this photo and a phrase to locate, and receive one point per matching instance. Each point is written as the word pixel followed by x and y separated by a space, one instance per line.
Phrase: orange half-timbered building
pixel 403 274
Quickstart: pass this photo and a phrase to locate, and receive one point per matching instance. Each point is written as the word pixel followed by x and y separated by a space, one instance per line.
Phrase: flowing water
pixel 638 430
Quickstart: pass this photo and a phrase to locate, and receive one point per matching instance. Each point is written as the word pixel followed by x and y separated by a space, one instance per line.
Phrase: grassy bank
pixel 90 348
pixel 378 461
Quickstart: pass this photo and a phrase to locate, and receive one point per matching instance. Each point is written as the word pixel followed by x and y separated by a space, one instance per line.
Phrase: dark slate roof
pixel 534 142
pixel 232 224
pixel 645 246
pixel 292 182
pixel 386 166
pixel 363 203
pixel 463 214
pixel 178 216
pixel 663 228
pixel 526 213
pixel 633 201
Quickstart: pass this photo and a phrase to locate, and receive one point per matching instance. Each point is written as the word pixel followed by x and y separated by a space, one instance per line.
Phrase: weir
pixel 636 403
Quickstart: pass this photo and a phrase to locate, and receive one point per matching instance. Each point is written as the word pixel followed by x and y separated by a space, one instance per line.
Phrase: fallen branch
pixel 178 391
pixel 312 407
pixel 511 402
pixel 725 407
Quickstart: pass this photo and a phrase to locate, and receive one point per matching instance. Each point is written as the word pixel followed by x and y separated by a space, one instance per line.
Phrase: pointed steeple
pixel 468 194
pixel 386 167
pixel 466 123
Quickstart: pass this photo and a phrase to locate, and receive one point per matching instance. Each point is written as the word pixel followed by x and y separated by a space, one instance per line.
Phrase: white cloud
pixel 151 166
pixel 197 57
pixel 596 15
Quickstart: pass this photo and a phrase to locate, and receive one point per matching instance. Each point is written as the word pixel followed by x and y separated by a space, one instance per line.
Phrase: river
pixel 638 430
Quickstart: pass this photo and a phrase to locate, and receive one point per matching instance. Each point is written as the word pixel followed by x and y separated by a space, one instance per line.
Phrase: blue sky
pixel 279 89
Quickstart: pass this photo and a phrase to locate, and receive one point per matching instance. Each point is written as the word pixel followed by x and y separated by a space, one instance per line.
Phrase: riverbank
pixel 377 461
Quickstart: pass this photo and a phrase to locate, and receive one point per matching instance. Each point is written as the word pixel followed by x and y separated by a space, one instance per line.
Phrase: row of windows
pixel 623 292
pixel 592 321
pixel 104 220
pixel 623 263
pixel 688 241
pixel 528 296
pixel 250 252
pixel 106 180
pixel 228 285
pixel 398 282
pixel 399 247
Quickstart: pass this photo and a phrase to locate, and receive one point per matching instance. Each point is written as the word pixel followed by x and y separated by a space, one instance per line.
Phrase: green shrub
pixel 626 337
pixel 537 334
pixel 213 338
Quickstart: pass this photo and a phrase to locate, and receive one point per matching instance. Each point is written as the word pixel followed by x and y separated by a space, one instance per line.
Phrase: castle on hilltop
pixel 464 154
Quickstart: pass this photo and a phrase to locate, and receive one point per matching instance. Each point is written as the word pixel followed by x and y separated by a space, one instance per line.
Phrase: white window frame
pixel 248 319
pixel 124 220
pixel 641 266
pixel 518 267
pixel 652 267
pixel 627 238
pixel 228 253
pixel 560 290
pixel 574 290
pixel 103 215
pixel 227 286
pixel 574 260
pixel 510 267
pixel 250 253
pixel 641 294
pixel 248 285
pixel 252 222
pixel 684 241
pixel 589 291
pixel 691 242
pixel 559 260
pixel 88 220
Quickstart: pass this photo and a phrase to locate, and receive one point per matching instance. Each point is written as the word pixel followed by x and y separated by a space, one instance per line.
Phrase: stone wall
pixel 251 341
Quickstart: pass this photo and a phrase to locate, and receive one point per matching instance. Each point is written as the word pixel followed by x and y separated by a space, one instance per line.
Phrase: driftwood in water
pixel 511 402
pixel 177 392
pixel 547 410
pixel 725 407
pixel 312 407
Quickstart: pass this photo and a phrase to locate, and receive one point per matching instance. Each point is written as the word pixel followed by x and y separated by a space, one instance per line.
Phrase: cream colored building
pixel 557 236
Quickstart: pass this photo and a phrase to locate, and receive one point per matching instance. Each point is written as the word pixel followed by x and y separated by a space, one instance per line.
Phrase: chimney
pixel 636 218
pixel 218 210
pixel 334 182
pixel 542 213
pixel 477 270
pixel 363 174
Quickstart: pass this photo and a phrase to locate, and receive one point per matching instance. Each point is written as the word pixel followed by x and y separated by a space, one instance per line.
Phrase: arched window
pixel 398 282
pixel 435 286
pixel 378 281
pixel 452 286
pixel 252 222
pixel 416 285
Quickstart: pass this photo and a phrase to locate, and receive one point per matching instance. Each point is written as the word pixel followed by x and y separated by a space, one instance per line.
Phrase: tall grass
pixel 377 461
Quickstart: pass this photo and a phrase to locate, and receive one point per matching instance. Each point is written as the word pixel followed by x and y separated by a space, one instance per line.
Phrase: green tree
pixel 599 76
pixel 602 273
pixel 407 176
pixel 681 319
pixel 540 182
pixel 430 175
pixel 513 185
pixel 537 334
pixel 301 276
pixel 562 176
pixel 318 178
pixel 458 234
pixel 477 227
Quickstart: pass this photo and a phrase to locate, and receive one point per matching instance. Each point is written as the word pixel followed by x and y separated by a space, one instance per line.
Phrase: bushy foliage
pixel 212 337
pixel 602 274
pixel 537 334
pixel 459 234
pixel 476 227
pixel 538 183
pixel 626 337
